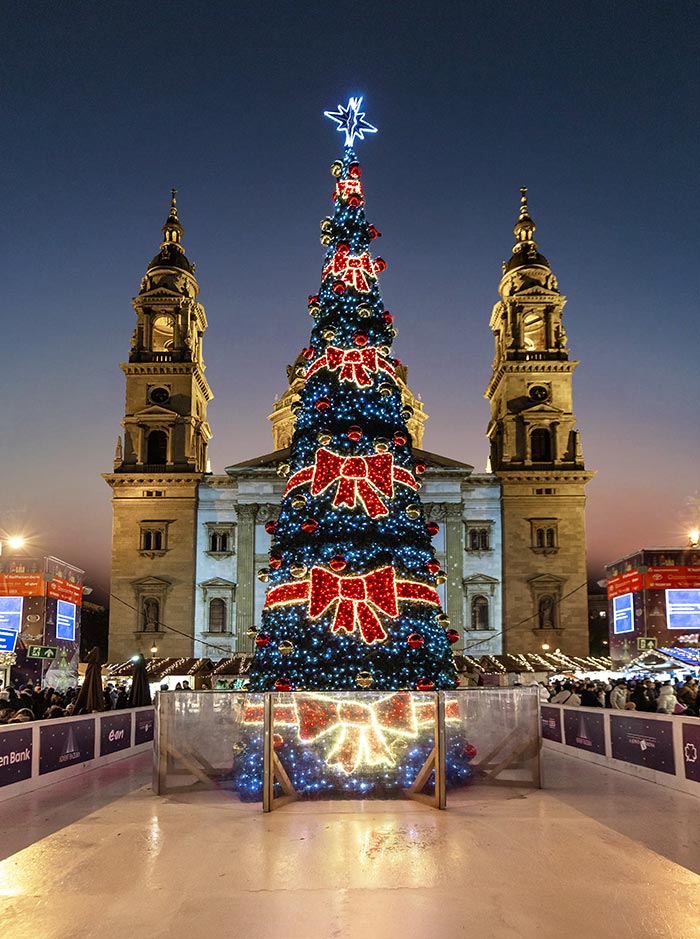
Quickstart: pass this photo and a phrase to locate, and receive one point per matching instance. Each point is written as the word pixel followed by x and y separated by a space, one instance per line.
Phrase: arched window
pixel 541 445
pixel 217 615
pixel 480 613
pixel 157 447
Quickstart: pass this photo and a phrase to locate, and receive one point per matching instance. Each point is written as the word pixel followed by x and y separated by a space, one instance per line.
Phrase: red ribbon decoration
pixel 354 364
pixel 358 477
pixel 356 270
pixel 356 597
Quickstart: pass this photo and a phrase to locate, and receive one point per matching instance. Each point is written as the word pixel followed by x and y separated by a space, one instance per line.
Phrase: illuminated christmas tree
pixel 352 599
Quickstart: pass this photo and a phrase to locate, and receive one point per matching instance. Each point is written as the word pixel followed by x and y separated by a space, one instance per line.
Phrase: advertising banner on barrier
pixel 62 745
pixel 585 730
pixel 691 751
pixel 551 723
pixel 644 742
pixel 15 755
pixel 115 733
pixel 144 726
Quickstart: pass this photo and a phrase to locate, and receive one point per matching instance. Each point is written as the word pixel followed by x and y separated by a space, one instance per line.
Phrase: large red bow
pixel 355 594
pixel 360 477
pixel 380 588
pixel 354 364
pixel 360 728
pixel 356 270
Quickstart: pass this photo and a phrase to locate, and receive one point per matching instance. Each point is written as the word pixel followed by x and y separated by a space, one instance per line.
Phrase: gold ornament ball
pixel 413 510
pixel 383 350
pixel 364 679
pixel 336 168
pixel 297 570
pixel 381 445
pixel 298 502
pixel 285 647
pixel 283 469
pixel 364 311
pixel 329 334
pixel 324 438
pixel 252 632
pixel 440 577
pixel 385 389
pixel 263 575
pixel 444 620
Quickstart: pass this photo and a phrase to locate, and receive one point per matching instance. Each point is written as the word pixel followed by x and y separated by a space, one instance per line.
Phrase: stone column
pixel 454 566
pixel 245 592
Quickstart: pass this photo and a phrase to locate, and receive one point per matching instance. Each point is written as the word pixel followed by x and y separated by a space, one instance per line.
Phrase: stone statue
pixel 151 613
pixel 546 612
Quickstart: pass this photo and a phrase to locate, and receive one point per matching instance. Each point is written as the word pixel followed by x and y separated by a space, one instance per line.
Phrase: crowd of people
pixel 640 694
pixel 32 703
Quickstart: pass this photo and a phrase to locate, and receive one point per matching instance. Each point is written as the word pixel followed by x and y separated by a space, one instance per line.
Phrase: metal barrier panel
pixel 275 747
pixel 501 727
pixel 202 743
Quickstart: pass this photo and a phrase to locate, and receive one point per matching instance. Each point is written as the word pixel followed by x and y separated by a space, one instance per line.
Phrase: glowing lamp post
pixel 154 650
pixel 694 538
pixel 14 542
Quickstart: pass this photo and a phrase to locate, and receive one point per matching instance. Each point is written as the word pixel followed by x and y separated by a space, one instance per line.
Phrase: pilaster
pixel 454 564
pixel 245 601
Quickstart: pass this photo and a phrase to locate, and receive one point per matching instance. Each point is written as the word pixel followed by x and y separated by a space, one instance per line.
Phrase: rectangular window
pixel 479 538
pixel 544 534
pixel 219 538
pixel 153 536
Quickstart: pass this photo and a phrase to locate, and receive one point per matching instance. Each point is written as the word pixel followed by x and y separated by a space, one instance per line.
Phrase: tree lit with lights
pixel 352 576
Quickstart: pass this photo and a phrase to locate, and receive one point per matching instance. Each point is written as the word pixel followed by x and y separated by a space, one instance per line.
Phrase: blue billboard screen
pixel 683 609
pixel 623 614
pixel 11 613
pixel 65 620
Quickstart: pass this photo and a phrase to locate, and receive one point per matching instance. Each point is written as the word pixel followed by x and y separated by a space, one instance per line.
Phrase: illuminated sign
pixel 11 614
pixel 683 609
pixel 8 639
pixel 623 614
pixel 65 620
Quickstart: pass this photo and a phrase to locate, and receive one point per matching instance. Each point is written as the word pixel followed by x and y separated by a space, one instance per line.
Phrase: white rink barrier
pixel 40 753
pixel 663 748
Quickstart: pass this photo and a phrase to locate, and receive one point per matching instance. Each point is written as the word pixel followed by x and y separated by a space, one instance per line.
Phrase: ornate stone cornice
pixel 139 480
pixel 170 368
pixel 546 476
pixel 541 366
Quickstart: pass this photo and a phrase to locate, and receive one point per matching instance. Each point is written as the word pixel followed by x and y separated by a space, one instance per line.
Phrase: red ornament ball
pixel 387 317
pixel 425 684
pixel 275 560
pixel 313 299
pixel 458 681
pixel 309 352
pixel 355 201
pixel 415 641
pixel 355 171
pixel 354 433
pixel 270 527
pixel 283 684
pixel 338 563
pixel 277 741
pixel 323 404
pixel 373 233
pixel 420 468
pixel 399 438
pixel 379 265
pixel 469 751
pixel 360 339
pixel 433 566
pixel 433 528
pixel 452 635
pixel 262 640
pixel 339 287
pixel 309 526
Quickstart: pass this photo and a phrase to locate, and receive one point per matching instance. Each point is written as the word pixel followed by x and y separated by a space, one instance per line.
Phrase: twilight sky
pixel 105 107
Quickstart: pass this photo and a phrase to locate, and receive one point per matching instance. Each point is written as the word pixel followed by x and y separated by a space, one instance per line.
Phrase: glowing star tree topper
pixel 352 121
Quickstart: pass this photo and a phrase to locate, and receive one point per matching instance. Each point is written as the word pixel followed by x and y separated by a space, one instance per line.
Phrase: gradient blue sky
pixel 104 107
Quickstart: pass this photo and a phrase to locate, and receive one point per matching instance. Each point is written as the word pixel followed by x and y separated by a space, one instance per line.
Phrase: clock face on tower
pixel 539 393
pixel 159 395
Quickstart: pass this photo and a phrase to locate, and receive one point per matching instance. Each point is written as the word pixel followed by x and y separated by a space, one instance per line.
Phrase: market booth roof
pixel 157 669
pixel 555 662
pixel 665 660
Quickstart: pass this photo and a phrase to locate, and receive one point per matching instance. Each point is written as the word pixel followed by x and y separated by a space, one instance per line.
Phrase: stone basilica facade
pixel 187 544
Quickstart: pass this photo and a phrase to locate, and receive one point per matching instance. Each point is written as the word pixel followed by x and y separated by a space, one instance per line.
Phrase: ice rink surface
pixel 595 854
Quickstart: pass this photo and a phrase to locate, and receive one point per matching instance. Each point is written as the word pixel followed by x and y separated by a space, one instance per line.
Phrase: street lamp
pixel 545 647
pixel 154 650
pixel 14 542
pixel 693 538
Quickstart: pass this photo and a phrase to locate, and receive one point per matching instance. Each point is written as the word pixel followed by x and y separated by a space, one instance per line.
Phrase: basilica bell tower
pixel 535 450
pixel 161 459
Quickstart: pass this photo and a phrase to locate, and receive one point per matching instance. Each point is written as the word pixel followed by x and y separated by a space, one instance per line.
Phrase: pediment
pixel 151 582
pixel 217 582
pixel 480 579
pixel 156 411
pixel 545 580
pixel 543 408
